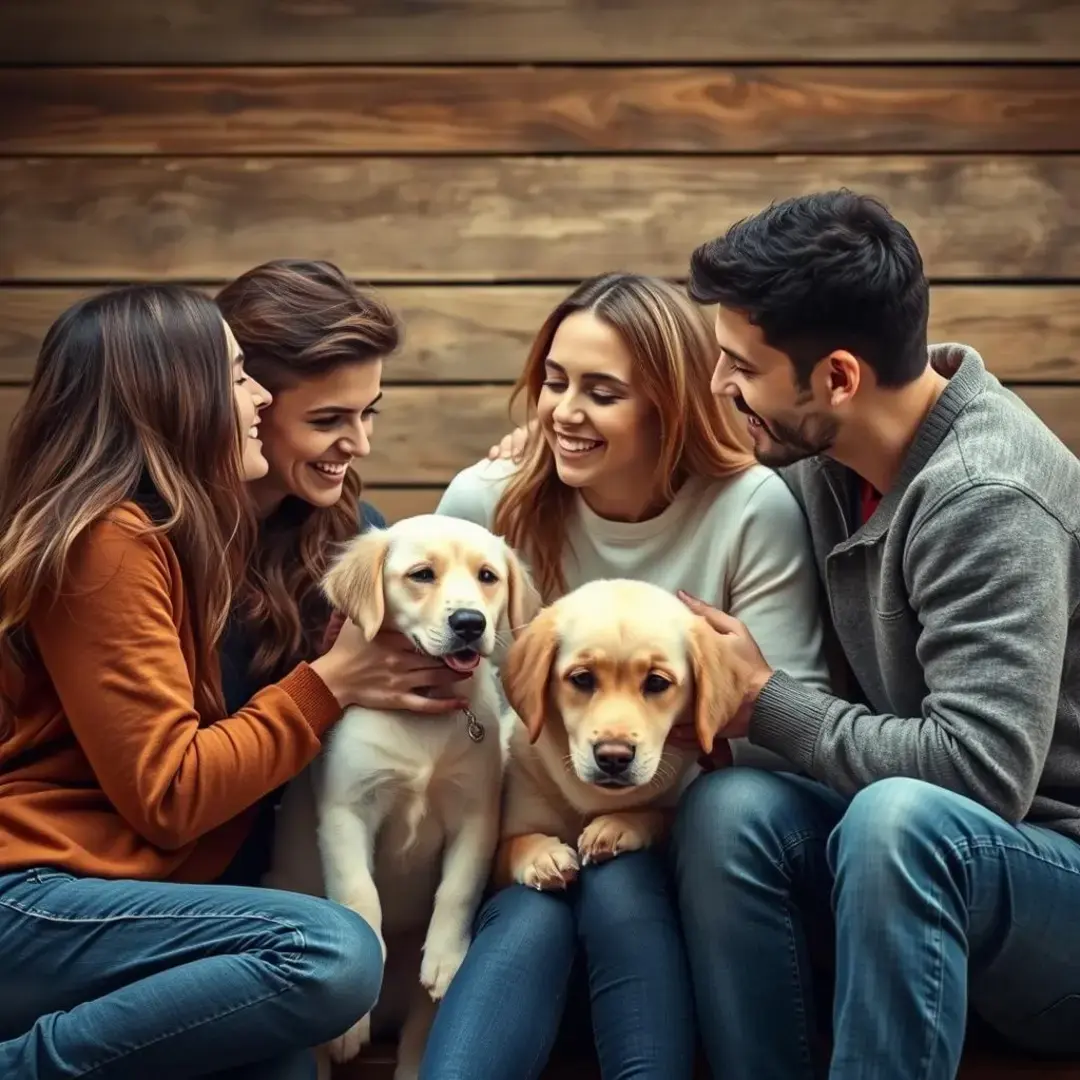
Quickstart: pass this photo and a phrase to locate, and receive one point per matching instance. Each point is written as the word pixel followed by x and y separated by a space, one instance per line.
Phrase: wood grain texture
pixel 427 434
pixel 452 31
pixel 380 110
pixel 482 333
pixel 462 219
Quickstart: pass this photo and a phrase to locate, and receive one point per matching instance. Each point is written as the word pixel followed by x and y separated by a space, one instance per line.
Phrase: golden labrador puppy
pixel 599 678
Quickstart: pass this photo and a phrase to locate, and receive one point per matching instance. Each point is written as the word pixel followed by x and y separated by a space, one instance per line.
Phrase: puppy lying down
pixel 599 678
pixel 406 807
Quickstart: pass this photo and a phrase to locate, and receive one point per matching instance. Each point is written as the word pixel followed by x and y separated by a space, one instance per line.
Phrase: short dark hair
pixel 833 270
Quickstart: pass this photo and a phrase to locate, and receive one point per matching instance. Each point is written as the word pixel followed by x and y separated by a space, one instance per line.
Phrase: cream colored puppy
pixel 407 806
pixel 599 678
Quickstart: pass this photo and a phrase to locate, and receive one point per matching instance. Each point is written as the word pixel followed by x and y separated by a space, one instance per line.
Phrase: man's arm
pixel 988 578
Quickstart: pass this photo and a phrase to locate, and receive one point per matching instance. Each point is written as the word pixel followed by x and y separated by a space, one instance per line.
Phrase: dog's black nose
pixel 614 757
pixel 468 623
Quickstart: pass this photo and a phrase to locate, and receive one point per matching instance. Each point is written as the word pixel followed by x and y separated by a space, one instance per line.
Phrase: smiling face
pixel 786 422
pixel 602 430
pixel 250 398
pixel 314 431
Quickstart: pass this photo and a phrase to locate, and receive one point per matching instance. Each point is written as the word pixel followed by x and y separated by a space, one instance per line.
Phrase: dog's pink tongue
pixel 462 661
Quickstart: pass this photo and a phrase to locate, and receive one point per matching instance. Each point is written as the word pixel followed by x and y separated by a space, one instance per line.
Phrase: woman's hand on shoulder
pixel 387 672
pixel 512 447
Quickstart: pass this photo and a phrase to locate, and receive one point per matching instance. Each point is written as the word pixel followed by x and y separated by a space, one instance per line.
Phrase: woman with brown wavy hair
pixel 127 785
pixel 631 469
pixel 318 343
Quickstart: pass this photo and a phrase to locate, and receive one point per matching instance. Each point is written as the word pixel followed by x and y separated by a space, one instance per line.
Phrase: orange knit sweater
pixel 109 770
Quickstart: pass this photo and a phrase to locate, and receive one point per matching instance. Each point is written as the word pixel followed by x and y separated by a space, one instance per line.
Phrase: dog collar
pixel 473 728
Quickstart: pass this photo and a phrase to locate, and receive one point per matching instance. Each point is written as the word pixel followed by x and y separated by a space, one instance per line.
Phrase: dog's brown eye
pixel 488 577
pixel 424 575
pixel 655 684
pixel 583 680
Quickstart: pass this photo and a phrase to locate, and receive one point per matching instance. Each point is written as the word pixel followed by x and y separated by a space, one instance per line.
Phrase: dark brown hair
pixel 131 399
pixel 674 356
pixel 295 319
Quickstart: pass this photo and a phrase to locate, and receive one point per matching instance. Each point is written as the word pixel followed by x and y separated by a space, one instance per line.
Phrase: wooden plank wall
pixel 477 157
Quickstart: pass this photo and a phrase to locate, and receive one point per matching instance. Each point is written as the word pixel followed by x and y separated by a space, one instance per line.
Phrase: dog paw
pixel 553 865
pixel 440 964
pixel 346 1047
pixel 609 835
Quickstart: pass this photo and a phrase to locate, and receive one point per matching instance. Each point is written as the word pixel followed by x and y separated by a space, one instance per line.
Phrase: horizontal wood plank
pixel 443 31
pixel 395 503
pixel 482 333
pixel 381 110
pixel 461 219
pixel 426 435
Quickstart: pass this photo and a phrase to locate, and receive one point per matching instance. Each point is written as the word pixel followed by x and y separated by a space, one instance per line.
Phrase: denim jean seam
pixel 965 846
pixel 800 993
pixel 97 1066
pixel 51 916
pixel 938 984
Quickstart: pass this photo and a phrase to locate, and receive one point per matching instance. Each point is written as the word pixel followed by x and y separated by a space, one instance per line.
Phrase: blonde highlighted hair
pixel 674 355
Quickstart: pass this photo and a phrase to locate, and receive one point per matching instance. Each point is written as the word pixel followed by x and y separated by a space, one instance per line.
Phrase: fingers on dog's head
pixel 354 582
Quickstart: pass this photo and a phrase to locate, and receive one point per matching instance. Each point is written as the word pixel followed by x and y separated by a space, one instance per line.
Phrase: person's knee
pixel 519 920
pixel 338 969
pixel 631 889
pixel 892 828
pixel 724 818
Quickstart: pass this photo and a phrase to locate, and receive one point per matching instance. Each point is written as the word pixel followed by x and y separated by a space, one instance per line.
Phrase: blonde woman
pixel 632 469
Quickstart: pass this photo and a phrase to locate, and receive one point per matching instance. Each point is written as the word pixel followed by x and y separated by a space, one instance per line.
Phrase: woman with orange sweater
pixel 125 787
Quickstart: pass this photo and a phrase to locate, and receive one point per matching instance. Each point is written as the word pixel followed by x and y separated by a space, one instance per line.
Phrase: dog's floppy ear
pixel 720 682
pixel 527 670
pixel 524 599
pixel 354 583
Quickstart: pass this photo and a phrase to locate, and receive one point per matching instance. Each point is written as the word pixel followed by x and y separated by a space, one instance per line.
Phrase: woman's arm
pixel 111 647
pixel 774 587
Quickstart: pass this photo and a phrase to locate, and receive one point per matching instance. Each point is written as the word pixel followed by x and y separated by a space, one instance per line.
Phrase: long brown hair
pixel 131 399
pixel 674 356
pixel 295 319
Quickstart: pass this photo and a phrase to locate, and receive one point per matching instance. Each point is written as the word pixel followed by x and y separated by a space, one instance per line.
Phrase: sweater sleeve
pixel 773 588
pixel 986 580
pixel 111 647
pixel 474 493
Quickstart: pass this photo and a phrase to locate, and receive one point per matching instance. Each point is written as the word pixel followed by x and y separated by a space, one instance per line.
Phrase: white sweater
pixel 740 544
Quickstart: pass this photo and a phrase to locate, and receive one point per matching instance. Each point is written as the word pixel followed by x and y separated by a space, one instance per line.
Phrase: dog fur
pixel 599 678
pixel 406 807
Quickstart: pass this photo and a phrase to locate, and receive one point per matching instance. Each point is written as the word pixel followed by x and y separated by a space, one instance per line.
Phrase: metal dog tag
pixel 473 728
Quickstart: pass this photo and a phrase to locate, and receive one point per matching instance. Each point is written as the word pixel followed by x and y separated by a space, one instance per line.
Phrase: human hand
pixel 684 736
pixel 387 672
pixel 512 447
pixel 745 649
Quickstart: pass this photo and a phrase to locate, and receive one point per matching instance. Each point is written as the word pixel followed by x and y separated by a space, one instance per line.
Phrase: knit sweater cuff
pixel 788 718
pixel 319 707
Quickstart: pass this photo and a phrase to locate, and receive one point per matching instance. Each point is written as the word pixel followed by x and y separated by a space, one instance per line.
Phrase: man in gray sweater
pixel 928 833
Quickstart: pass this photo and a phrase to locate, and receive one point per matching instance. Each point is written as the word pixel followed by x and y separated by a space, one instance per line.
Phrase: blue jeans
pixel 134 979
pixel 933 904
pixel 502 1013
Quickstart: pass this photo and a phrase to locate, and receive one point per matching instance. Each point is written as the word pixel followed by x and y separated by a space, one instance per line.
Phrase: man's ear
pixel 527 671
pixel 720 682
pixel 354 583
pixel 524 599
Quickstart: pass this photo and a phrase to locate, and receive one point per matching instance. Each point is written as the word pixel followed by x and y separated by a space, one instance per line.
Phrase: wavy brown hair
pixel 131 400
pixel 295 319
pixel 674 355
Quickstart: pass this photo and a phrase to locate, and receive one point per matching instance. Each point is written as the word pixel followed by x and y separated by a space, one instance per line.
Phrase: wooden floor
pixel 378 1064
